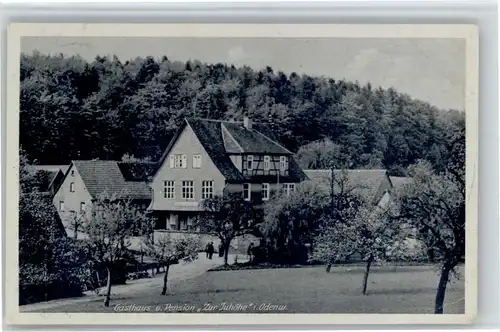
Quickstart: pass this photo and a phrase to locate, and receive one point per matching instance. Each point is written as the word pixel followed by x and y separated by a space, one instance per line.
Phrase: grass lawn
pixel 399 289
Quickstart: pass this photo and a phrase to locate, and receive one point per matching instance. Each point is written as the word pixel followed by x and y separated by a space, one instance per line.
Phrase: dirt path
pixel 178 272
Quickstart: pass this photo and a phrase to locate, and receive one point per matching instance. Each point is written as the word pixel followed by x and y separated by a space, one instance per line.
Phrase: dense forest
pixel 107 109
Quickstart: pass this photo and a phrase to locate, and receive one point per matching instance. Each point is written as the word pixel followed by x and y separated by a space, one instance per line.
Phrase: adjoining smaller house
pixel 49 177
pixel 373 184
pixel 85 180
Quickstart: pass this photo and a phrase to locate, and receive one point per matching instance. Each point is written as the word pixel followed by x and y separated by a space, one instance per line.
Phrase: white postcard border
pixel 18 30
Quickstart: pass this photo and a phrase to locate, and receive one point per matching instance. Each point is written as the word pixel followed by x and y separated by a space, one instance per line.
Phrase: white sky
pixel 432 70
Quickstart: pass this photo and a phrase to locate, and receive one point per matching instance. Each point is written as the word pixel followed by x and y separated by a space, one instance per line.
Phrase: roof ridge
pixel 226 121
pixel 346 169
pixel 213 120
pixel 136 162
pixel 95 160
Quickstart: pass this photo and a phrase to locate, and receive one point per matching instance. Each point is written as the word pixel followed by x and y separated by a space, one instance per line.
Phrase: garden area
pixel 391 289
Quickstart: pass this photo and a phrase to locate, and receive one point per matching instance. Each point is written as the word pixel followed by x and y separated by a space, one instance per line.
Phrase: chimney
pixel 247 122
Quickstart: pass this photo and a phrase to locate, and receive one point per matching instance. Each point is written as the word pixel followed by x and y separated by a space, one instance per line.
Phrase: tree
pixel 370 233
pixel 435 205
pixel 345 199
pixel 165 251
pixel 291 221
pixel 321 154
pixel 108 226
pixel 50 264
pixel 70 108
pixel 75 223
pixel 227 217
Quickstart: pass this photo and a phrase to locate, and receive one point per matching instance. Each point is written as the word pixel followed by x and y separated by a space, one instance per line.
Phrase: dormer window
pixel 249 162
pixel 283 163
pixel 267 163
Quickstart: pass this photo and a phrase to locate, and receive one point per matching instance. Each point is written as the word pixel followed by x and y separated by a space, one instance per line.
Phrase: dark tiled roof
pixel 221 138
pixel 253 141
pixel 45 178
pixel 363 182
pixel 398 182
pixel 102 176
pixel 210 135
pixel 230 144
pixel 137 171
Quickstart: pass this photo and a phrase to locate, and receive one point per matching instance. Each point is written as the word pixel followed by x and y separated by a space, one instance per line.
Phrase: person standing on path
pixel 250 252
pixel 207 249
pixel 211 250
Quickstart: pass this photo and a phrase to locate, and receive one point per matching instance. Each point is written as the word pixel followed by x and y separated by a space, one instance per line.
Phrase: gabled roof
pixel 46 178
pixel 252 140
pixel 101 176
pixel 137 171
pixel 398 182
pixel 222 138
pixel 51 168
pixel 363 182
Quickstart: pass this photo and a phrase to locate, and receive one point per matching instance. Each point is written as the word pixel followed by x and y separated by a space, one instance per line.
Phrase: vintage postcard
pixel 205 174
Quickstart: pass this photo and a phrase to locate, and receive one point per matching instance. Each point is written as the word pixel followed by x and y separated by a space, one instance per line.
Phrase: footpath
pixel 178 273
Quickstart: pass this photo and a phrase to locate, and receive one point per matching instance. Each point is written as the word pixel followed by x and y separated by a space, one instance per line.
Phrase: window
pixel 72 172
pixel 188 189
pixel 283 163
pixel 249 162
pixel 82 207
pixel 169 189
pixel 196 161
pixel 61 206
pixel 207 189
pixel 178 161
pixel 267 163
pixel 265 191
pixel 183 223
pixel 246 191
pixel 289 188
pixel 72 187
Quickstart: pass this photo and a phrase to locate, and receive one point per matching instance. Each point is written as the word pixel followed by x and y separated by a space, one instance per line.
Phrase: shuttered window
pixel 247 191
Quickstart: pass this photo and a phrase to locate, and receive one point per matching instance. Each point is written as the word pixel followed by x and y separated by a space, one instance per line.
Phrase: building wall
pixel 71 200
pixel 187 144
pixel 384 188
pixel 384 201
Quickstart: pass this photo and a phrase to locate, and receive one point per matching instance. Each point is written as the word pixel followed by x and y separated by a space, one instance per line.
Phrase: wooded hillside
pixel 74 109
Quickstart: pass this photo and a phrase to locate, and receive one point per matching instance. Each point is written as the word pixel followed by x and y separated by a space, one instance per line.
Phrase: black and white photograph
pixel 230 174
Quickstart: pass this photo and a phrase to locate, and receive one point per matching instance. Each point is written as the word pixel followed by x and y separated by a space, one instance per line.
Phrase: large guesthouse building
pixel 203 159
pixel 209 157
